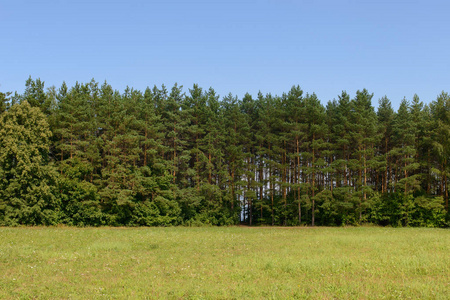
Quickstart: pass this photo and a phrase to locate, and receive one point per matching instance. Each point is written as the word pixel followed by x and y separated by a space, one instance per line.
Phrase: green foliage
pixel 28 179
pixel 89 155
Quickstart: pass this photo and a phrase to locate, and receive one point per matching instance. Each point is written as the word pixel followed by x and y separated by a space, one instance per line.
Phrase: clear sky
pixel 391 47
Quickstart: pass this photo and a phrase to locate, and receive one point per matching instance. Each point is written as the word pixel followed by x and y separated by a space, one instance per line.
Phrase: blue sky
pixel 394 48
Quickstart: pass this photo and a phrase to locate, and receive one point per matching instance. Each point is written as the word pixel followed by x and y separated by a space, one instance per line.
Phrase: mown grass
pixel 225 263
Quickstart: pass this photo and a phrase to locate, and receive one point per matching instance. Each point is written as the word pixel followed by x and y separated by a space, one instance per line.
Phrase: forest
pixel 89 155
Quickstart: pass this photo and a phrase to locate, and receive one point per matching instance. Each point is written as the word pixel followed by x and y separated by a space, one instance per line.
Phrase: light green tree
pixel 27 180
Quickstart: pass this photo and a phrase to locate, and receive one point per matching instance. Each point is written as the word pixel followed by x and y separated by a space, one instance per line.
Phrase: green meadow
pixel 224 263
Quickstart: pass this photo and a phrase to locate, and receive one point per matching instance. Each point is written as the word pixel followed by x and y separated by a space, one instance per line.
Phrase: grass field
pixel 225 263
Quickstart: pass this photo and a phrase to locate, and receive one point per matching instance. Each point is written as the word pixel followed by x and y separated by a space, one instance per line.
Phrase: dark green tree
pixel 364 138
pixel 440 109
pixel 35 95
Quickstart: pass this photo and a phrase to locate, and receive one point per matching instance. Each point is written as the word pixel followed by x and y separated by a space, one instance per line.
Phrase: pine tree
pixel 364 136
pixel 339 125
pixel 440 109
pixel 404 153
pixel 261 132
pixel 317 131
pixel 385 116
pixel 297 135
pixel 35 95
pixel 267 150
pixel 248 107
pixel 214 173
pixel 236 129
pixel 76 153
pixel 194 107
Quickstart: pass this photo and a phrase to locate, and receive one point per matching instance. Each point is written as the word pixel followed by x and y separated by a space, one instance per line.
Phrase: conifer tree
pixel 297 114
pixel 35 95
pixel 364 138
pixel 261 131
pixel 440 109
pixel 214 172
pixel 267 139
pixel 250 184
pixel 339 124
pixel 76 153
pixel 194 107
pixel 317 131
pixel 236 129
pixel 385 116
pixel 404 153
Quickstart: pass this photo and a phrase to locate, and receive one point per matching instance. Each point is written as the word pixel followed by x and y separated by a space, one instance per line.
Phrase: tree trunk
pixel 313 186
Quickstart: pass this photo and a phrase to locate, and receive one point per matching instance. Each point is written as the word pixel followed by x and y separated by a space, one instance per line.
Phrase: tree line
pixel 91 155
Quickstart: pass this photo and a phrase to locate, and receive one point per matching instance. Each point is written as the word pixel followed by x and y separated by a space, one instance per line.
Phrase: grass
pixel 224 263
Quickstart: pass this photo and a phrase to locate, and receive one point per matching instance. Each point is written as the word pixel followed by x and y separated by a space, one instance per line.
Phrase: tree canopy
pixel 91 155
